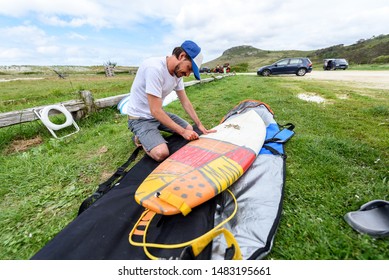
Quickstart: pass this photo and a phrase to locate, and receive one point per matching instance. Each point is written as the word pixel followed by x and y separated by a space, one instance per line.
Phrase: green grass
pixel 337 160
pixel 21 94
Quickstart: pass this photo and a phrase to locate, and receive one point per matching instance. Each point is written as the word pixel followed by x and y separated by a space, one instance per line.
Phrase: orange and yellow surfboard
pixel 205 167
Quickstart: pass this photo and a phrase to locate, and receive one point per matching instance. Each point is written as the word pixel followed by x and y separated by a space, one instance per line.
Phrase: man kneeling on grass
pixel 155 79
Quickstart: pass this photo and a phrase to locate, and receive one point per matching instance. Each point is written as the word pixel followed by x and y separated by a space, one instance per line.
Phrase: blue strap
pixel 275 138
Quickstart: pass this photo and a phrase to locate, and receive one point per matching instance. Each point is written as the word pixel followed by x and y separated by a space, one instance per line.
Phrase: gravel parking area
pixel 370 79
pixel 366 79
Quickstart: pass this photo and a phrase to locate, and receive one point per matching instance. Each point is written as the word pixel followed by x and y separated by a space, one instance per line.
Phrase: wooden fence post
pixel 90 106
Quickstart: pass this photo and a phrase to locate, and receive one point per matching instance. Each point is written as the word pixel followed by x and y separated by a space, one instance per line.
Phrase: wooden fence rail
pixel 78 107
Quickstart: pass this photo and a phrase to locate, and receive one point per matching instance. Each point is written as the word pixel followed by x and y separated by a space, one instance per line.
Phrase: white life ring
pixel 45 117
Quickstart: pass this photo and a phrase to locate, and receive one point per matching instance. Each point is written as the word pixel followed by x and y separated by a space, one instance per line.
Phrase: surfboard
pixel 122 106
pixel 204 167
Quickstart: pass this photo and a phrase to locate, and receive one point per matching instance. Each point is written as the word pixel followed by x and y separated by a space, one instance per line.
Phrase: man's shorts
pixel 148 130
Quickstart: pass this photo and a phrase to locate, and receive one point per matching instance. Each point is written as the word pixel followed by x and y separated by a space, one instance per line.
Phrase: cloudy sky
pixel 92 32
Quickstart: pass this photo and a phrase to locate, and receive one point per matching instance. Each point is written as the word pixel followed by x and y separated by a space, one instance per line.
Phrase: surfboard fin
pixel 176 201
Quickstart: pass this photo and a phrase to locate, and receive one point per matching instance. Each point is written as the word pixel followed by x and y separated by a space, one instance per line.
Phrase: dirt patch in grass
pixel 105 175
pixel 342 96
pixel 311 97
pixel 19 79
pixel 23 145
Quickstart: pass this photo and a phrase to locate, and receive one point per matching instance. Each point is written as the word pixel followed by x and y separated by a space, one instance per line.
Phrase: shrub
pixel 241 67
pixel 381 59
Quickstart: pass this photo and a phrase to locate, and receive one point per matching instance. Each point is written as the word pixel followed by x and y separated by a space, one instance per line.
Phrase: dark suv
pixel 205 70
pixel 296 65
pixel 335 63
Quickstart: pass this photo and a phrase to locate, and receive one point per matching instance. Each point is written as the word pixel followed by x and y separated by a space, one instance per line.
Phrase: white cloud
pixel 136 29
pixel 57 21
pixel 279 25
pixel 95 13
pixel 30 35
pixel 46 7
pixel 10 54
pixel 76 36
pixel 22 44
pixel 48 50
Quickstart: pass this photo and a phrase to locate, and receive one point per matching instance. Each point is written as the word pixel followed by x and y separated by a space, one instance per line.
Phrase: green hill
pixel 248 58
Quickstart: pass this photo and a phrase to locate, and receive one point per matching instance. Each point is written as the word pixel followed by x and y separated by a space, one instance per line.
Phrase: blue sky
pixel 92 32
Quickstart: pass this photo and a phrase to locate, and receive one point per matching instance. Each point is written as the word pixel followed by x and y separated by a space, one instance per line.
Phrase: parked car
pixel 205 70
pixel 335 63
pixel 296 65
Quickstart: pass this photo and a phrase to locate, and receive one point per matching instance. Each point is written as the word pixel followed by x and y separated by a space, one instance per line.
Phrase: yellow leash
pixel 197 244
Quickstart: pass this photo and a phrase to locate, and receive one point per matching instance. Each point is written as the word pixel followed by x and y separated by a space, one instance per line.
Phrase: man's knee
pixel 159 153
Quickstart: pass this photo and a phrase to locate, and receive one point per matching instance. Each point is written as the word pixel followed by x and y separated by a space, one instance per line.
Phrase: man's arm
pixel 155 104
pixel 188 107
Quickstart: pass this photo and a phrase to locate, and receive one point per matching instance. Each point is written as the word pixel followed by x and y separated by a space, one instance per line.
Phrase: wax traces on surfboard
pixel 202 168
pixel 247 129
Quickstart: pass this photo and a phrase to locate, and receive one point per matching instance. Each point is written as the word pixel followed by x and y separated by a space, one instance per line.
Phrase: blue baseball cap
pixel 194 52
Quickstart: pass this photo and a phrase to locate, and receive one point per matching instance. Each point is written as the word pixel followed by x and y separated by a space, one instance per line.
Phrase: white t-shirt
pixel 153 78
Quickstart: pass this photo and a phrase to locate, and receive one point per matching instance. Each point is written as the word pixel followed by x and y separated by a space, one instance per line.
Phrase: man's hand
pixel 190 135
pixel 206 131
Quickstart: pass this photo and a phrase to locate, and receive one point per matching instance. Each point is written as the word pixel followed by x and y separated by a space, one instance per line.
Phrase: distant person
pixel 155 79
